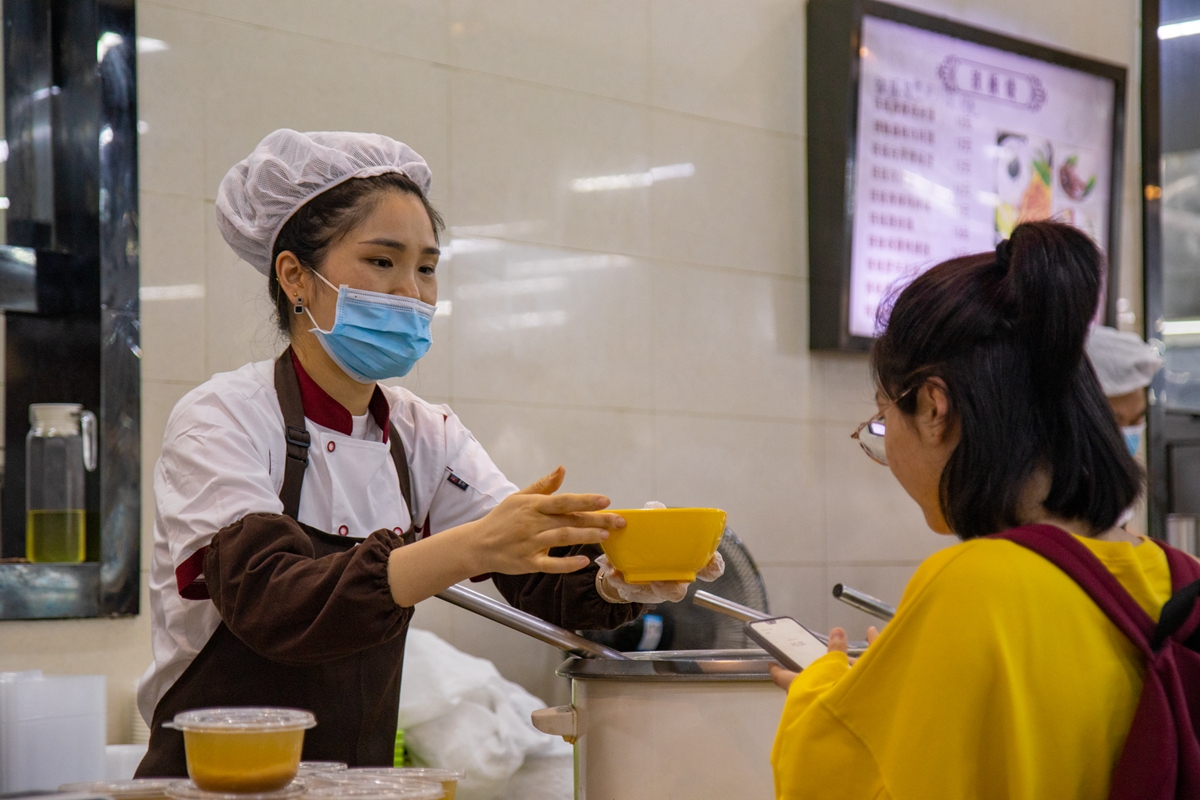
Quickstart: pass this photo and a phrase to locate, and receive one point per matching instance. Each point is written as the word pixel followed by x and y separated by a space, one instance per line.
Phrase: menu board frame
pixel 834 31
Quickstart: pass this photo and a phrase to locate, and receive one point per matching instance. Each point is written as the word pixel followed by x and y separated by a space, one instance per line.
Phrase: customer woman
pixel 303 509
pixel 998 677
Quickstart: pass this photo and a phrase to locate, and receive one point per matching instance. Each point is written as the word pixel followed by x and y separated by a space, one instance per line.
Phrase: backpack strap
pixel 1181 614
pixel 1161 755
pixel 1072 557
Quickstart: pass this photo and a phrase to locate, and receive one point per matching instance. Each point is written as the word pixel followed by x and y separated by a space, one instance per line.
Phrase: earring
pixel 299 309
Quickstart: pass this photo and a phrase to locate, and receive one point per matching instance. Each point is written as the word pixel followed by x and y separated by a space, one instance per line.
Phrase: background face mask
pixel 1133 437
pixel 375 335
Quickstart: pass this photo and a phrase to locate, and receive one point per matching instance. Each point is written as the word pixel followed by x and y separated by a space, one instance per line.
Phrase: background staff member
pixel 1125 365
pixel 286 489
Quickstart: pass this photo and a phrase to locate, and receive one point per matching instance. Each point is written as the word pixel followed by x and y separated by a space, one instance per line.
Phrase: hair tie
pixel 1003 252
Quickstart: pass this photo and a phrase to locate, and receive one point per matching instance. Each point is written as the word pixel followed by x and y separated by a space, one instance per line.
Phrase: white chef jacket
pixel 223 458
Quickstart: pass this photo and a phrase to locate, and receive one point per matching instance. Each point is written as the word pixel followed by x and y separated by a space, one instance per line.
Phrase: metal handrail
pixel 719 604
pixel 528 624
pixel 864 602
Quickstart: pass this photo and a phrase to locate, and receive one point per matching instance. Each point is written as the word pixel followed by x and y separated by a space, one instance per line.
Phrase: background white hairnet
pixel 287 169
pixel 1123 362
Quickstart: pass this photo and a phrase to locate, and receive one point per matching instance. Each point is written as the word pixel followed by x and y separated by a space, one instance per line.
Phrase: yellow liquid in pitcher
pixel 56 536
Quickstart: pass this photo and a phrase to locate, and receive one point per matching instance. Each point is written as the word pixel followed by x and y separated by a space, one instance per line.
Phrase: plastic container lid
pixel 380 789
pixel 242 720
pixel 186 790
pixel 357 780
pixel 317 767
pixel 421 773
pixel 122 790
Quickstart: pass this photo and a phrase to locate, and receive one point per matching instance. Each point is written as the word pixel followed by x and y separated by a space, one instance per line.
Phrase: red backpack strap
pixel 1185 568
pixel 1161 755
pixel 1072 557
pixel 1180 618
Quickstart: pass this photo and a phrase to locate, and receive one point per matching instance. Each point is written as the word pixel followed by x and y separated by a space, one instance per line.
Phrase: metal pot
pixel 695 724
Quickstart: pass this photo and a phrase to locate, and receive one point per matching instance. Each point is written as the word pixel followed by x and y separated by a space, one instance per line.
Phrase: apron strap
pixel 401 460
pixel 287 387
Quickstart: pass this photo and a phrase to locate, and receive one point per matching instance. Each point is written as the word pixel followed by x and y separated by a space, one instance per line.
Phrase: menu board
pixel 958 142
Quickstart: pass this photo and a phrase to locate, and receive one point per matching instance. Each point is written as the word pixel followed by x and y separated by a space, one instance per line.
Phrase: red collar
pixel 324 410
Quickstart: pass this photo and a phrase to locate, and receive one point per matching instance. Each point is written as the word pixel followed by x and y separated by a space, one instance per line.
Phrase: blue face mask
pixel 1133 437
pixel 374 335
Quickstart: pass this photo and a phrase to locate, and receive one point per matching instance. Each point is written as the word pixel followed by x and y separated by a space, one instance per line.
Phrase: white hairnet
pixel 1123 362
pixel 287 169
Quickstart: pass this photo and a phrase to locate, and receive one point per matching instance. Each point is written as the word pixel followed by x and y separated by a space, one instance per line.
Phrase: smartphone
pixel 790 643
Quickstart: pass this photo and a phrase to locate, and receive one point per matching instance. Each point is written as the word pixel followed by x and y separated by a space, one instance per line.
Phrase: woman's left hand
pixel 837 641
pixel 782 677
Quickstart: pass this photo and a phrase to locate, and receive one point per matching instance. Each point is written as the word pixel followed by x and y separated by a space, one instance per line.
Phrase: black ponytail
pixel 1006 332
pixel 1054 283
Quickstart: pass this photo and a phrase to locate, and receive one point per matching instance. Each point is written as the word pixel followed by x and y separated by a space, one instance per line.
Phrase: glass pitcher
pixel 61 444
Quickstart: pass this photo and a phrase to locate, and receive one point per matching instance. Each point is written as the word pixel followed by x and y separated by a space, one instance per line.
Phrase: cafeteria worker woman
pixel 303 509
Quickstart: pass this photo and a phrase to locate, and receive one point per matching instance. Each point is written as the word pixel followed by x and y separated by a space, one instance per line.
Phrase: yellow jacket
pixel 998 678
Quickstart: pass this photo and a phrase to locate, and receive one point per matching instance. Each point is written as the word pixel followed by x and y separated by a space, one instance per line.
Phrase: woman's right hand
pixel 516 536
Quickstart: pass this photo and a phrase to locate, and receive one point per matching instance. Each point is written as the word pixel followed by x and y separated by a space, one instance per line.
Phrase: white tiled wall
pixel 652 339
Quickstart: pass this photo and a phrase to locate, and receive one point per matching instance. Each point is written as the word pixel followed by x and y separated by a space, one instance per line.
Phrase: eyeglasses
pixel 870 437
pixel 870 433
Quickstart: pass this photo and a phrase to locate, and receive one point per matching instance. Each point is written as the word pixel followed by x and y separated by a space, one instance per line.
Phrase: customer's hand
pixel 782 677
pixel 837 641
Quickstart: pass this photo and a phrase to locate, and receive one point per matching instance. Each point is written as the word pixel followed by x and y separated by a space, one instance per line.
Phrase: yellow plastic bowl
pixel 664 544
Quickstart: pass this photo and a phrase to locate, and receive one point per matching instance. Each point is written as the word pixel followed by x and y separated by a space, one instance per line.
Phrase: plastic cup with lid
pixel 242 750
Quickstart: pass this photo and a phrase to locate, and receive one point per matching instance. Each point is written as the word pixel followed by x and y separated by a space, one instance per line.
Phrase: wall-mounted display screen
pixel 957 142
pixel 956 135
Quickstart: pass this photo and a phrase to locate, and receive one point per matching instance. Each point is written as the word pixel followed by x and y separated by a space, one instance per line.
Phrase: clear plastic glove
pixel 611 585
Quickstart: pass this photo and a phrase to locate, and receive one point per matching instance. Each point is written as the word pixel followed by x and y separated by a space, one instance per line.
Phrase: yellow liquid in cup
pixel 258 761
pixel 449 787
pixel 56 536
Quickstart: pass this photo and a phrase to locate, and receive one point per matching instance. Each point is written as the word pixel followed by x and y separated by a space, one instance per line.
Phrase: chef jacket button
pixel 343 530
pixel 331 447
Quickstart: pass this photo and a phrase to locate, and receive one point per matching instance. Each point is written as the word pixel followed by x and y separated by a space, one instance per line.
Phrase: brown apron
pixel 355 698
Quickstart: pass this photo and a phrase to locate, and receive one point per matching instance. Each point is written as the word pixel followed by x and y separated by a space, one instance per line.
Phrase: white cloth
pixel 458 712
pixel 222 458
pixel 1123 362
pixel 287 169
